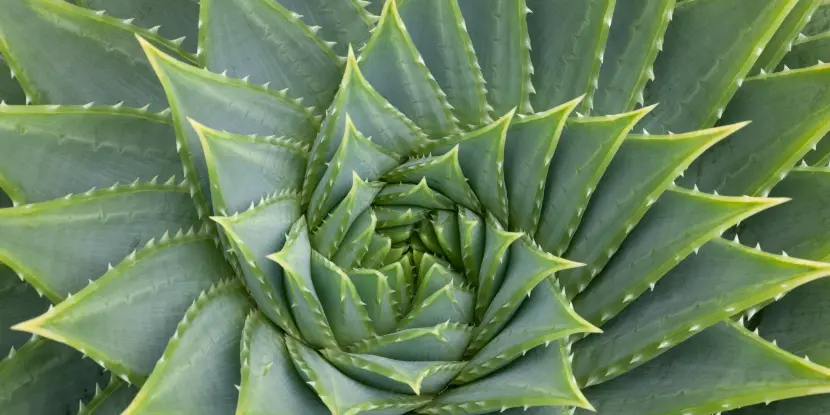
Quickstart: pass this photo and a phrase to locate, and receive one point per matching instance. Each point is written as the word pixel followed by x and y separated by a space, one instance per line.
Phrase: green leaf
pixel 433 275
pixel 379 248
pixel 445 227
pixel 57 246
pixel 452 303
pixel 124 319
pixel 394 216
pixel 439 32
pixel 111 400
pixel 392 64
pixel 355 157
pixel 471 232
pixel 10 91
pixel 223 103
pixel 97 56
pixel 759 156
pixel 642 169
pixel 177 19
pixel 443 173
pixel 527 267
pixel 808 51
pixel 481 158
pixel 413 195
pixel 633 43
pixel 820 154
pixel 444 342
pixel 246 169
pixel 396 234
pixel 705 59
pixel 568 40
pixel 376 294
pixel 372 115
pixel 494 263
pixel 545 316
pixel 340 393
pixel 813 405
pixel 329 235
pixel 33 381
pixel 48 152
pixel 540 378
pixel 356 242
pixel 342 21
pixel 782 41
pixel 295 260
pixel 395 375
pixel 720 368
pixel 269 378
pixel 499 35
pixel 529 147
pixel 19 301
pixel 723 279
pixel 200 365
pixel 676 226
pixel 267 42
pixel 345 311
pixel 259 232
pixel 819 21
pixel 799 226
pixel 585 149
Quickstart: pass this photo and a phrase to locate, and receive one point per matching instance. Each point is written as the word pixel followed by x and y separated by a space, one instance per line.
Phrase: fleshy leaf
pixel 57 246
pixel 379 248
pixel 345 311
pixel 723 279
pixel 34 379
pixel 705 58
pixel 339 22
pixel 813 405
pixel 97 56
pixel 112 400
pixel 392 64
pixel 176 19
pixel 259 232
pixel 438 30
pixel 295 260
pixel 498 31
pixel 18 302
pixel 782 41
pixel 413 195
pixel 445 225
pixel 374 291
pixel 10 91
pixel 49 152
pixel 444 342
pixel 759 156
pixel 453 303
pixel 643 168
pixel 269 43
pixel 568 40
pixel 494 263
pixel 356 241
pixel 269 378
pixel 540 378
pixel 200 366
pixel 124 319
pixel 675 227
pixel 634 41
pixel 395 375
pixel 808 51
pixel 471 232
pixel 720 368
pixel 585 149
pixel 226 104
pixel 394 216
pixel 328 236
pixel 340 393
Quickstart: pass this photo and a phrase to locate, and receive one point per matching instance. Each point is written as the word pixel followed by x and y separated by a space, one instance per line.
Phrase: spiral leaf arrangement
pixel 348 207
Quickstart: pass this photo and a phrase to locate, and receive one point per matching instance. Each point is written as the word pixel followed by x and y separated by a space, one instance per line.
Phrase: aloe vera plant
pixel 415 206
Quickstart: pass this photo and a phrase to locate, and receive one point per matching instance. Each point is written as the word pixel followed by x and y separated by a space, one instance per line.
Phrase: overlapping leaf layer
pixel 414 206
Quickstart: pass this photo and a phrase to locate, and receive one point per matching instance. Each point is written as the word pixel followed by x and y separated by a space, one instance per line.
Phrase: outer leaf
pixel 177 19
pixel 540 378
pixel 633 42
pixel 759 156
pixel 342 21
pixel 678 224
pixel 246 169
pixel 269 378
pixel 393 65
pixel 814 405
pixel 642 169
pixel 34 380
pixel 498 30
pixel 819 21
pixel 341 394
pixel 19 301
pixel 584 151
pixel 59 245
pixel 568 40
pixel 97 56
pixel 798 227
pixel 268 42
pixel 782 41
pixel 706 57
pixel 10 90
pixel 723 279
pixel 808 51
pixel 124 319
pixel 111 400
pixel 48 152
pixel 439 32
pixel 200 365
pixel 720 368
pixel 226 104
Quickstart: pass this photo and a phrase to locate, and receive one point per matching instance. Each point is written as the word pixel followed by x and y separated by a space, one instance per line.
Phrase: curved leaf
pixel 178 19
pixel 341 22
